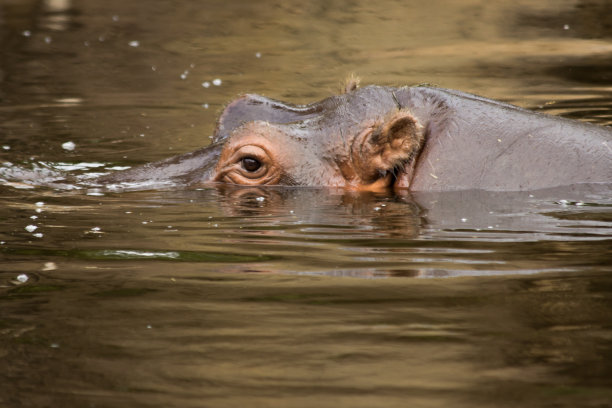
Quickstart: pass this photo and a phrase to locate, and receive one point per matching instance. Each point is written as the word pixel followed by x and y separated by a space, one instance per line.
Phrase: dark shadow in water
pixel 585 19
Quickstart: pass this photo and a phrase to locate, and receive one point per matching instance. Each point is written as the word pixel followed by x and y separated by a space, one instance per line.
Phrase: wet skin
pixel 379 138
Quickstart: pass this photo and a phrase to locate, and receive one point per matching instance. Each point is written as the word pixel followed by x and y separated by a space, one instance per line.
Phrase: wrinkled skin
pixel 378 138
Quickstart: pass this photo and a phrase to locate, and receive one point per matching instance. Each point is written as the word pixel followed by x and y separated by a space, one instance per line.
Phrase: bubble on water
pixel 149 326
pixel 54 345
pixel 49 266
pixel 464 220
pixel 563 202
pixel 6 147
pixel 115 18
pixel 216 82
pixel 260 199
pixel 86 43
pixel 48 40
pixel 134 44
pixel 184 74
pixel 377 208
pixel 22 278
pixel 96 229
pixel 33 217
pixel 205 105
pixel 39 210
pixel 26 33
pixel 101 38
pixel 258 55
pixel 566 27
pixel 580 203
pixel 206 84
pixel 31 228
pixel 38 235
pixel 68 146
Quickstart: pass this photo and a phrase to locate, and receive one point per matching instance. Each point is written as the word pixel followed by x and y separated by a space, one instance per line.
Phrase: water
pixel 280 297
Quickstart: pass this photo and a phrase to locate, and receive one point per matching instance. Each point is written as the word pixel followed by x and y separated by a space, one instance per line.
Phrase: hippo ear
pixel 402 127
pixel 389 145
pixel 399 137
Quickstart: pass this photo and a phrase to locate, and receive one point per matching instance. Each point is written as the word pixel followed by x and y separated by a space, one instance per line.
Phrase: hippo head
pixel 359 140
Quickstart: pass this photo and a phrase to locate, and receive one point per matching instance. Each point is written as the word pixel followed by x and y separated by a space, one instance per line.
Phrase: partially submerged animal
pixel 376 138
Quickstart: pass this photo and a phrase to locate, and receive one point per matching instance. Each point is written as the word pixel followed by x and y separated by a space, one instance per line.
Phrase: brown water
pixel 278 297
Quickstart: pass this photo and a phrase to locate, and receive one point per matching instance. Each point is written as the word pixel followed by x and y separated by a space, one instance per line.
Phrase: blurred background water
pixel 277 297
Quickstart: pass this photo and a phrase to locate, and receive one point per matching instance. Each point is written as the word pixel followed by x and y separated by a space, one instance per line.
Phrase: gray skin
pixel 454 141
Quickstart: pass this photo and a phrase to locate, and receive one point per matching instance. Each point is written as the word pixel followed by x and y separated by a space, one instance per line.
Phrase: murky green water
pixel 272 297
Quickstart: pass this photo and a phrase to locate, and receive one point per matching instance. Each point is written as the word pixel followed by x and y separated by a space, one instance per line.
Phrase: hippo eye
pixel 250 164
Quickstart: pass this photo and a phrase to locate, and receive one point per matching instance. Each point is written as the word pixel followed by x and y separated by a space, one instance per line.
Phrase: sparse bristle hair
pixel 351 83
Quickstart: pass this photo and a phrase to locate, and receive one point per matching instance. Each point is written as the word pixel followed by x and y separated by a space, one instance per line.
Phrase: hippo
pixel 377 138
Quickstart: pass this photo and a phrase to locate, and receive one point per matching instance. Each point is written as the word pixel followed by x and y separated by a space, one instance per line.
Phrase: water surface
pixel 291 297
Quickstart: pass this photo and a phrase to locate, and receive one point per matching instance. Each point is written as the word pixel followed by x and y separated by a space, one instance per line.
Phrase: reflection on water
pixel 283 297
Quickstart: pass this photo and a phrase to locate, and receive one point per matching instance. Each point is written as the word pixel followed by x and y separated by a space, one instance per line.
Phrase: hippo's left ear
pixel 392 143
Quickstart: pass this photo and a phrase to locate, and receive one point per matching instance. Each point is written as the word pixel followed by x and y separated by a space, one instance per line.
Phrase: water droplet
pixel 22 278
pixel 31 228
pixel 205 105
pixel 464 220
pixel 6 147
pixel 206 84
pixel 38 235
pixel 68 146
pixel 134 44
pixel 26 33
pixel 258 55
pixel 260 199
pixel 49 266
pixel 566 27
pixel 48 40
pixel 377 208
pixel 115 18
pixel 216 82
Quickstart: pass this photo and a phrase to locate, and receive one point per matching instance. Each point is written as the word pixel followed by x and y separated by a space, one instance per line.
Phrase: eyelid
pixel 255 152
